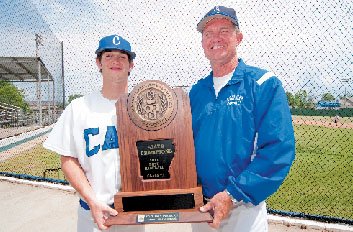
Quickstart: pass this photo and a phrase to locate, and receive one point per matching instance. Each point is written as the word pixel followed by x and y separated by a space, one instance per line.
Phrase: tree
pixel 72 97
pixel 290 98
pixel 9 94
pixel 311 102
pixel 301 99
pixel 327 97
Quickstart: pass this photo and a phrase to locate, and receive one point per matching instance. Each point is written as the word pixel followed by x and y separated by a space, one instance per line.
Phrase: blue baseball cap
pixel 115 42
pixel 218 12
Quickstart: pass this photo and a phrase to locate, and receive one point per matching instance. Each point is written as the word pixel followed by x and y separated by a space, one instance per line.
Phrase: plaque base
pixel 135 218
pixel 159 206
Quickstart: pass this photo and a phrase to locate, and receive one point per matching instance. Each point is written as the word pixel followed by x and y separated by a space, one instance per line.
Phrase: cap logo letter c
pixel 116 40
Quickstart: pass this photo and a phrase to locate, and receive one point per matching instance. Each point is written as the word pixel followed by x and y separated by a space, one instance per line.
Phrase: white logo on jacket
pixel 235 99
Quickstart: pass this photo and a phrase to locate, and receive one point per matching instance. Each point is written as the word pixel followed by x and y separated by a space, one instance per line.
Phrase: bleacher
pixel 11 116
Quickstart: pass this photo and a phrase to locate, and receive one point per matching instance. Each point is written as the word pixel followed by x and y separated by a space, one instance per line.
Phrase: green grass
pixel 34 162
pixel 320 181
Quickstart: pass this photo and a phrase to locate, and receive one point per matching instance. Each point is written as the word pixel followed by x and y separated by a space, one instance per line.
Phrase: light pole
pixel 39 42
pixel 62 72
pixel 345 80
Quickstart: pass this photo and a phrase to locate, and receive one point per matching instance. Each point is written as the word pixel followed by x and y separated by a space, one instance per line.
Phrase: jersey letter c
pixel 87 132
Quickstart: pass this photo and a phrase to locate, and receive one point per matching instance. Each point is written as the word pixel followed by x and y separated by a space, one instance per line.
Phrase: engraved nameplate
pixel 157 218
pixel 155 157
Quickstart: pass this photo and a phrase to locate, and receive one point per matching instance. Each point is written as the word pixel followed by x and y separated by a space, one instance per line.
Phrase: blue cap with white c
pixel 218 12
pixel 115 42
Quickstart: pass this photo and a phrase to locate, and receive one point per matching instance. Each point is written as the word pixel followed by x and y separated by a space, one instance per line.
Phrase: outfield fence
pixel 307 44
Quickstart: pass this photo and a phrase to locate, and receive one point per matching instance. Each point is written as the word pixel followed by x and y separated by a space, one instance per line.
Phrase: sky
pixel 307 44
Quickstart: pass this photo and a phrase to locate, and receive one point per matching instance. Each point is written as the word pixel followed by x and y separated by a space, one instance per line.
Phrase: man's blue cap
pixel 218 12
pixel 115 42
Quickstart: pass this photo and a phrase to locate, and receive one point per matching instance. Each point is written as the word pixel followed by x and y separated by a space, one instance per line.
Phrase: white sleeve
pixel 61 139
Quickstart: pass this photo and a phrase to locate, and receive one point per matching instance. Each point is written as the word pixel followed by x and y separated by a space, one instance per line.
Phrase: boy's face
pixel 115 66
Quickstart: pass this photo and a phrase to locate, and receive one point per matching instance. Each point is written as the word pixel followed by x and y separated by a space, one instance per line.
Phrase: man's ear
pixel 239 37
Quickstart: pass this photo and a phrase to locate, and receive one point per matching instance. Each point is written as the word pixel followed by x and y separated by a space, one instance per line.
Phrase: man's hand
pixel 220 204
pixel 100 213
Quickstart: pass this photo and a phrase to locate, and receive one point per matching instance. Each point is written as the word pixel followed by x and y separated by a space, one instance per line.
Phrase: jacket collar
pixel 238 75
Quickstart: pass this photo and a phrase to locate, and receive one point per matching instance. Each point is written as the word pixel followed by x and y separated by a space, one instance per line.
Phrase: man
pixel 86 138
pixel 243 134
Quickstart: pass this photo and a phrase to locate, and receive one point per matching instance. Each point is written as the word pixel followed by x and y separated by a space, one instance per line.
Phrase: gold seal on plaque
pixel 152 105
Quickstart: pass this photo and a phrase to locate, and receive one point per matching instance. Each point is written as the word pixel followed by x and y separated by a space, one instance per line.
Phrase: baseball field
pixel 320 180
pixel 319 183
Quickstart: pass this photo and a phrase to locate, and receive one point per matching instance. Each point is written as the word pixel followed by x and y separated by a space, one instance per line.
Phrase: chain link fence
pixel 30 67
pixel 307 44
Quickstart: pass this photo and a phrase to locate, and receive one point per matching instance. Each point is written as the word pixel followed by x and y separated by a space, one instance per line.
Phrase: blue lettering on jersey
pixel 111 139
pixel 87 133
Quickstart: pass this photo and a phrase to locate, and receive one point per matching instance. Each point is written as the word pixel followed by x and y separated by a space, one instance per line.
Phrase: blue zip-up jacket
pixel 244 139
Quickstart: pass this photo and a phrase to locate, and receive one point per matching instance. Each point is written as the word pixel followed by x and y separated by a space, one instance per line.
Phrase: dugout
pixel 30 70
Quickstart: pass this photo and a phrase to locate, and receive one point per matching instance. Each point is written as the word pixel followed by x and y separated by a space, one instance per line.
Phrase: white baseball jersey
pixel 87 131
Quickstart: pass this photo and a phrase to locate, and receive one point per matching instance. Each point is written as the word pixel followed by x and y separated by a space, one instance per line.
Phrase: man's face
pixel 219 40
pixel 115 66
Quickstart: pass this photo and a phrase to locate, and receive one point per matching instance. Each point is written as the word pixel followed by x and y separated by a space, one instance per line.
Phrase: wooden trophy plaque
pixel 157 158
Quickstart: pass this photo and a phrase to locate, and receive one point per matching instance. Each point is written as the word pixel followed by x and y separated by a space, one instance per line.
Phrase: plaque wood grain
pixel 182 169
pixel 177 194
